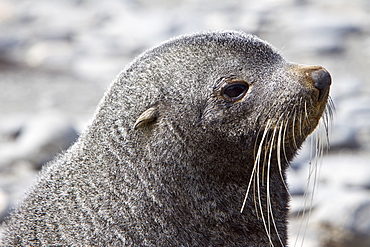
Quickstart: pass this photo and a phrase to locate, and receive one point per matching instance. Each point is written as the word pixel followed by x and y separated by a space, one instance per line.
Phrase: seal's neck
pixel 207 187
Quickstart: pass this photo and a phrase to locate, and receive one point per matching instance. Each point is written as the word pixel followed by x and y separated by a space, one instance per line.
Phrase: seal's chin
pixel 311 125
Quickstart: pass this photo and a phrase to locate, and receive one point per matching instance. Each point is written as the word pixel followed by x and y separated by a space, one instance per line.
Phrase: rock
pixel 351 125
pixel 39 140
pixel 7 10
pixel 346 171
pixel 297 185
pixel 344 137
pixel 344 219
pixel 7 43
pixel 303 184
pixel 10 127
pixel 319 31
pixel 4 203
pixel 57 55
pixel 341 215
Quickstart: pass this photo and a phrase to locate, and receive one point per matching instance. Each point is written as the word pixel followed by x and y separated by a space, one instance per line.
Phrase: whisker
pixel 319 143
pixel 279 148
pixel 261 209
pixel 293 129
pixel 306 111
pixel 268 197
pixel 256 164
pixel 301 121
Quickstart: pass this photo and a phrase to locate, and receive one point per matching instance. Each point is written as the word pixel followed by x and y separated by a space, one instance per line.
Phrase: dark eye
pixel 235 91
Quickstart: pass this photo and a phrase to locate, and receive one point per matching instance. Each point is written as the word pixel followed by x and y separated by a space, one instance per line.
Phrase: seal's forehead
pixel 221 37
pixel 236 42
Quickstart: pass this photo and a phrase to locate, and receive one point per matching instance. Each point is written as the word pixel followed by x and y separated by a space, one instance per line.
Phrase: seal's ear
pixel 147 116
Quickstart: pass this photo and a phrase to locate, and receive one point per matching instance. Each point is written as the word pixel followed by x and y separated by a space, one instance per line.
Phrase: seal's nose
pixel 322 81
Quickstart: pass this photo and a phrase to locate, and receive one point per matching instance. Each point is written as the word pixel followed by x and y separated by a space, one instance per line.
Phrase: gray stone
pixel 56 55
pixel 4 203
pixel 318 31
pixel 346 171
pixel 39 140
pixel 344 136
pixel 344 219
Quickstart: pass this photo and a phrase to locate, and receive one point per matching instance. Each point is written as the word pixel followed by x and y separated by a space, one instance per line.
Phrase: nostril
pixel 322 81
pixel 321 78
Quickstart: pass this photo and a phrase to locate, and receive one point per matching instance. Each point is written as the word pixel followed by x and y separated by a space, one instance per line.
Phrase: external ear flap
pixel 147 116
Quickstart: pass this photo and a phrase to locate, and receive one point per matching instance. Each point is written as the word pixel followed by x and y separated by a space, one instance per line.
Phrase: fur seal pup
pixel 184 134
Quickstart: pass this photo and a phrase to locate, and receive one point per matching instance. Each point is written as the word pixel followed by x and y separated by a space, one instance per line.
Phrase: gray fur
pixel 177 174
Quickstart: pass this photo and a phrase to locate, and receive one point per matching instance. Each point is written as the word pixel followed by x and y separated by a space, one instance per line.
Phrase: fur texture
pixel 177 174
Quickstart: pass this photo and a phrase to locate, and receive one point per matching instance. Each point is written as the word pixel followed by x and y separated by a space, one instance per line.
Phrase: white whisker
pixel 256 164
pixel 319 143
pixel 268 197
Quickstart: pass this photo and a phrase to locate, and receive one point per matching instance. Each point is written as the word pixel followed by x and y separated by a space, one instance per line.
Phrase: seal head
pixel 185 133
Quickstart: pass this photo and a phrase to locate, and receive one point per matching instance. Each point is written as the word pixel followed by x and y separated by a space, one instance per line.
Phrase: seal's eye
pixel 235 91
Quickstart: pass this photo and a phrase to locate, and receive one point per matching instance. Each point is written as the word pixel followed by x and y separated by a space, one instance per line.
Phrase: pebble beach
pixel 57 58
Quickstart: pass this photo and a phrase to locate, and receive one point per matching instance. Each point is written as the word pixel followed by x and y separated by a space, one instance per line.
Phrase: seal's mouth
pixel 294 123
pixel 315 82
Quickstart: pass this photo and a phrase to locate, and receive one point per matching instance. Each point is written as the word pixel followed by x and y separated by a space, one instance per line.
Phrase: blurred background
pixel 58 57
